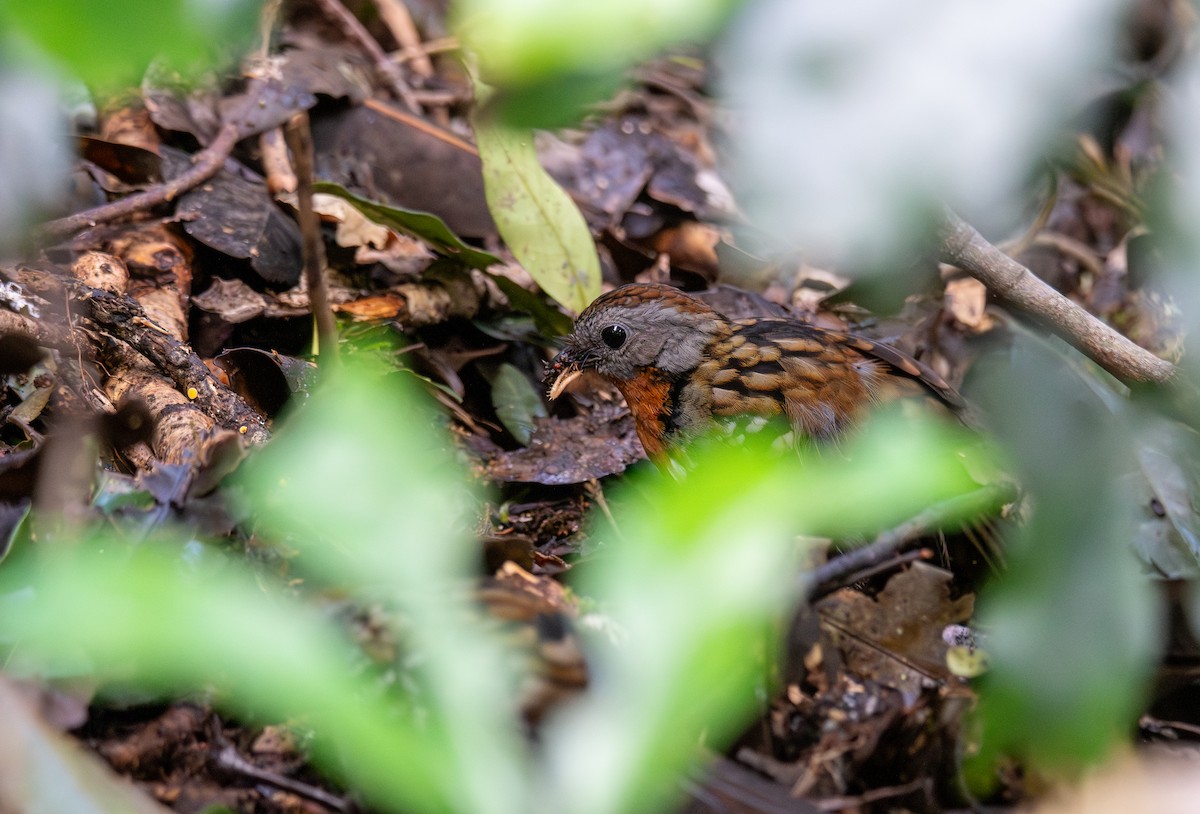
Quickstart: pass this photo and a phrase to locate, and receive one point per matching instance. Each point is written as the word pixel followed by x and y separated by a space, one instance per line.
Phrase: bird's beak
pixel 563 370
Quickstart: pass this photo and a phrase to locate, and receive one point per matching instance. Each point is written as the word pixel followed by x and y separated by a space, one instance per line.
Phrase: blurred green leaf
pixel 835 154
pixel 1165 488
pixel 34 154
pixel 1075 621
pixel 695 585
pixel 1171 250
pixel 537 219
pixel 363 483
pixel 527 40
pixel 422 225
pixel 46 772
pixel 138 616
pixel 109 45
pixel 553 102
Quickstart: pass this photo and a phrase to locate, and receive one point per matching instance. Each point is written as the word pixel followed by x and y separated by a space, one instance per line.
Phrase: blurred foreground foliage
pixel 372 500
pixel 700 574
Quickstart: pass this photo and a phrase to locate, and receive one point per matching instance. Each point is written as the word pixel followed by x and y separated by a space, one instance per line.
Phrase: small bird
pixel 684 368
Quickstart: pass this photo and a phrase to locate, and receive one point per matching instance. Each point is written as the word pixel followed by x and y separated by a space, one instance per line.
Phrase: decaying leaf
pixel 896 638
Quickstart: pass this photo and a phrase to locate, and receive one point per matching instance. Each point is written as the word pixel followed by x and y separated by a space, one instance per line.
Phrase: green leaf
pixel 365 488
pixel 537 219
pixel 549 320
pixel 43 771
pixel 364 485
pixel 137 616
pixel 554 102
pixel 693 586
pixel 527 40
pixel 1074 622
pixel 422 225
pixel 110 45
pixel 516 401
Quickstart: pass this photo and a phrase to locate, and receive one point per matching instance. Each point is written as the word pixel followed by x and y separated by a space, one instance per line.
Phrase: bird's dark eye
pixel 614 336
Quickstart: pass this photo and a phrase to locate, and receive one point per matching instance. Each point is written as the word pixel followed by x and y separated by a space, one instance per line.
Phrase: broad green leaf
pixel 695 583
pixel 137 616
pixel 517 402
pixel 110 45
pixel 1073 623
pixel 422 225
pixel 537 219
pixel 364 485
pixel 45 772
pixel 529 40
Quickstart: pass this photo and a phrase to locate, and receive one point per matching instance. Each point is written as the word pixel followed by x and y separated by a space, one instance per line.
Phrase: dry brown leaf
pixel 896 638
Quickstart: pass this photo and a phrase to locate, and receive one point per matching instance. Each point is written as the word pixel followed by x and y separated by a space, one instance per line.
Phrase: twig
pixel 205 165
pixel 1075 249
pixel 857 802
pixel 1017 247
pixel 442 98
pixel 425 49
pixel 1157 726
pixel 229 760
pixel 964 247
pixel 299 139
pixel 388 70
pixel 268 19
pixel 396 17
pixel 983 501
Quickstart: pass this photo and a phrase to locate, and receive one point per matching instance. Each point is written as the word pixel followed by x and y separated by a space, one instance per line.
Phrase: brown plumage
pixel 681 367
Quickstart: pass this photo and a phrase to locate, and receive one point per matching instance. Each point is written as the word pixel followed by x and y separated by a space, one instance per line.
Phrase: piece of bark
pixel 124 319
pixel 181 432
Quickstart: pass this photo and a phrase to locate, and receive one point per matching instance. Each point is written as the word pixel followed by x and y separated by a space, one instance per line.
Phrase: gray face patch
pixel 657 335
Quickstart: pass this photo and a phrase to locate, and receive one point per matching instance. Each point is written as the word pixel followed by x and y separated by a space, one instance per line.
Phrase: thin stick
pixel 229 760
pixel 205 165
pixel 388 70
pixel 299 138
pixel 398 19
pixel 964 247
pixel 985 500
pixel 427 49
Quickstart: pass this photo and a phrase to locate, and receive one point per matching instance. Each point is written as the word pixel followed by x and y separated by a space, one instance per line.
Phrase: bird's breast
pixel 649 396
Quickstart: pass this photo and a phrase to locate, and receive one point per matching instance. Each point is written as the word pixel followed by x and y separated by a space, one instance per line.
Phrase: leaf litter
pixel 868 715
